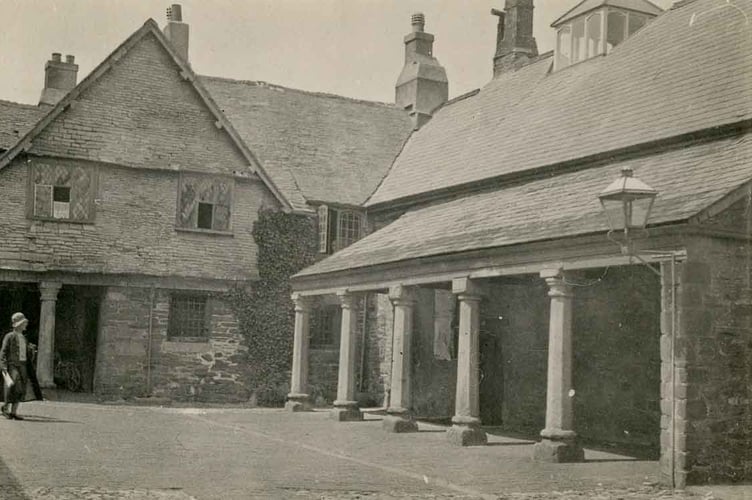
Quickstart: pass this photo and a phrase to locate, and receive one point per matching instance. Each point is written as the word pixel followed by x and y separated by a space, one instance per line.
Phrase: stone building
pixel 129 199
pixel 497 292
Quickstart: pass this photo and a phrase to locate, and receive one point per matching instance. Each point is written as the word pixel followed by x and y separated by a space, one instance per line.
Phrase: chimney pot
pixel 418 22
pixel 59 78
pixel 176 31
pixel 175 13
pixel 70 59
pixel 56 56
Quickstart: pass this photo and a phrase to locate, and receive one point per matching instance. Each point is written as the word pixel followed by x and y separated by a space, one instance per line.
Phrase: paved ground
pixel 85 451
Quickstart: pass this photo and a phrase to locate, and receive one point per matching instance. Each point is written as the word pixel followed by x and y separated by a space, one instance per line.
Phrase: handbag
pixel 7 379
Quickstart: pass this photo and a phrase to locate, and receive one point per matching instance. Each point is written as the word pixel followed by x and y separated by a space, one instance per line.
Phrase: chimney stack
pixel 177 31
pixel 515 44
pixel 422 85
pixel 59 78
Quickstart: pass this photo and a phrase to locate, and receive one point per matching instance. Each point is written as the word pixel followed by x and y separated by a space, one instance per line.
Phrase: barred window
pixel 189 317
pixel 325 326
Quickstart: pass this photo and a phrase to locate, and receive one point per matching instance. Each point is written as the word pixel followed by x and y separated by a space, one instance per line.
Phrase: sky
pixel 347 47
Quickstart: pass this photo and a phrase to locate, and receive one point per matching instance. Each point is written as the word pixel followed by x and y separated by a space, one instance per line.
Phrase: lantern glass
pixel 615 213
pixel 639 212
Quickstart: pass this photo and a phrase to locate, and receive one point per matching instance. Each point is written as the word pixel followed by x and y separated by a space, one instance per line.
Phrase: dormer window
pixel 595 27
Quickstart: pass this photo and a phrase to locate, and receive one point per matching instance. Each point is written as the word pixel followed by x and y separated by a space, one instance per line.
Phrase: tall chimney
pixel 422 85
pixel 59 78
pixel 515 44
pixel 176 30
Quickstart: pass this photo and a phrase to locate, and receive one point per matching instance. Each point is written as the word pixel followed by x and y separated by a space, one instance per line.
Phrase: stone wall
pixel 128 366
pixel 713 352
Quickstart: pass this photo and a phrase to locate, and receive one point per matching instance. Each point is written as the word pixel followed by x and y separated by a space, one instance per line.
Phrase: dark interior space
pixel 76 326
pixel 20 297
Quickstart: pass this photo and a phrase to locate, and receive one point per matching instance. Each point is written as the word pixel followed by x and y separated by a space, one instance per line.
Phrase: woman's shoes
pixel 16 417
pixel 4 409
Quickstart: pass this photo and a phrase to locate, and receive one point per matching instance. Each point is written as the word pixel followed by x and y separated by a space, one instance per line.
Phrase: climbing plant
pixel 286 244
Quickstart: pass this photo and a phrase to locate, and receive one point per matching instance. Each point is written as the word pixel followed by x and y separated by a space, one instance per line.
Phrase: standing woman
pixel 16 363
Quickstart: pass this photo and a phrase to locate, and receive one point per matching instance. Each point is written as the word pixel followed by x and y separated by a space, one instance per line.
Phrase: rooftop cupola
pixel 177 31
pixel 515 44
pixel 422 85
pixel 59 78
pixel 595 27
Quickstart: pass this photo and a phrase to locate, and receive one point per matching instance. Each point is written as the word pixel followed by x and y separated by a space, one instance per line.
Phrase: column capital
pixel 49 289
pixel 468 289
pixel 346 299
pixel 557 286
pixel 302 302
pixel 402 295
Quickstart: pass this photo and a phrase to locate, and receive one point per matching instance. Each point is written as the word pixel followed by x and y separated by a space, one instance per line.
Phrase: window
pixel 616 30
pixel 338 228
pixel 62 191
pixel 189 317
pixel 564 47
pixel 325 326
pixel 204 203
pixel 582 37
pixel 636 22
pixel 594 42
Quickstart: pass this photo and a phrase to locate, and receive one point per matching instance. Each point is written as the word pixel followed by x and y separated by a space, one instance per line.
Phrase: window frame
pixel 325 315
pixel 90 201
pixel 185 178
pixel 173 324
pixel 330 229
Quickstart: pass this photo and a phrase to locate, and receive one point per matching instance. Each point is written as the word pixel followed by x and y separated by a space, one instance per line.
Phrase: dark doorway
pixel 76 326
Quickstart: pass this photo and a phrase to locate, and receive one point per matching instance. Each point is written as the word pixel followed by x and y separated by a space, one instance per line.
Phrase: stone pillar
pixel 46 348
pixel 559 442
pixel 345 407
pixel 298 399
pixel 398 418
pixel 465 430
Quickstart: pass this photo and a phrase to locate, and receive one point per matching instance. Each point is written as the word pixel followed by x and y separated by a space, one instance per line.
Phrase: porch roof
pixel 688 179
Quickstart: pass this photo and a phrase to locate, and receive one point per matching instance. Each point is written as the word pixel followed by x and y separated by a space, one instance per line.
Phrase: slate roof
pixel 333 148
pixel 588 5
pixel 16 120
pixel 687 179
pixel 689 69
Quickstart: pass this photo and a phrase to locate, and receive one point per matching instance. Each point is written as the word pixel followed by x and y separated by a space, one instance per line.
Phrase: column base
pixel 399 424
pixel 549 450
pixel 298 402
pixel 47 385
pixel 346 411
pixel 467 435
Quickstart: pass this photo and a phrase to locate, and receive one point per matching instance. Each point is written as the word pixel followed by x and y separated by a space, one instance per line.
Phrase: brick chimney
pixel 176 30
pixel 422 85
pixel 515 44
pixel 59 79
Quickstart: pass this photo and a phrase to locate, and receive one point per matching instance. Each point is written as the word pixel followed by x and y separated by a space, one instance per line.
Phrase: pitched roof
pixel 336 149
pixel 149 27
pixel 688 180
pixel 588 5
pixel 16 120
pixel 687 70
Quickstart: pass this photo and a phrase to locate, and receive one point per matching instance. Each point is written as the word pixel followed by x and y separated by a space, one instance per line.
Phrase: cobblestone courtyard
pixel 86 451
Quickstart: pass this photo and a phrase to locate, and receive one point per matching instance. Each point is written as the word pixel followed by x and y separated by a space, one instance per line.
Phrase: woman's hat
pixel 17 319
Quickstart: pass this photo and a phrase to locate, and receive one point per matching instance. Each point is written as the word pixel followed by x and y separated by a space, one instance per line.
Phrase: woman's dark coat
pixel 9 356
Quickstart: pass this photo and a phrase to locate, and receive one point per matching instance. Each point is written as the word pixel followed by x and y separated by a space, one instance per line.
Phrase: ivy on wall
pixel 286 244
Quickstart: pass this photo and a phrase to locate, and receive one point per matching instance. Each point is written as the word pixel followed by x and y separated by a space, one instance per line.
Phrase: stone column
pixel 298 399
pixel 465 430
pixel 559 443
pixel 46 348
pixel 345 407
pixel 398 418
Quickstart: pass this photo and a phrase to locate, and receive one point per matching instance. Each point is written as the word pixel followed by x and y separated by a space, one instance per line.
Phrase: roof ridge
pixel 274 86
